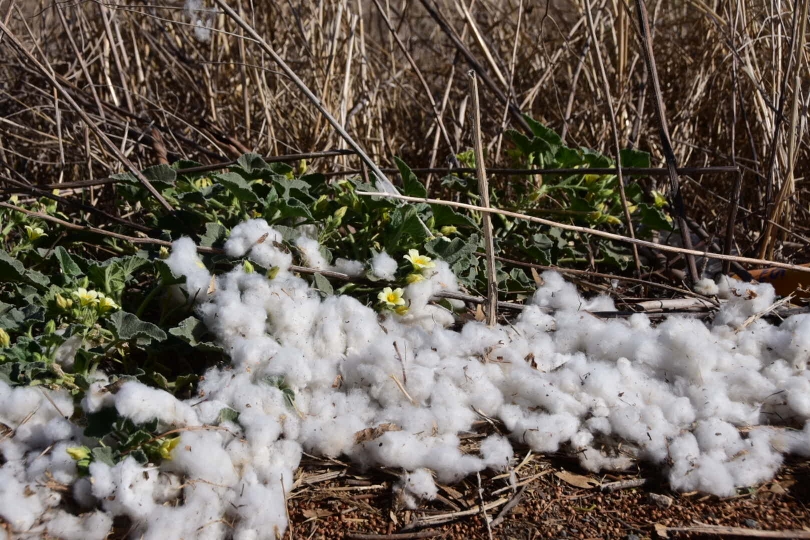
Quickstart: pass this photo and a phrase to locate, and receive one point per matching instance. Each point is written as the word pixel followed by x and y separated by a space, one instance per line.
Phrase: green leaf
pixel 412 187
pixel 10 317
pixel 237 185
pixel 654 218
pixel 542 132
pixel 192 330
pixel 13 270
pixel 323 285
pixel 444 215
pixel 104 454
pixel 160 380
pixel 227 415
pixel 112 275
pixel 252 162
pixel 214 232
pixel 454 250
pixel 160 176
pixel 404 228
pixel 521 141
pixel 127 326
pixel 66 262
pixel 634 158
pixel 281 169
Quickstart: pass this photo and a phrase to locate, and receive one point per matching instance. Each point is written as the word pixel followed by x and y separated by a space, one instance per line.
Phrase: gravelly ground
pixel 354 504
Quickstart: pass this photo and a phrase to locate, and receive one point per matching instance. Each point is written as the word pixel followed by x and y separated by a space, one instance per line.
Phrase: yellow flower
pixel 5 339
pixel 414 278
pixel 78 452
pixel 105 304
pixel 34 233
pixel 591 178
pixel 391 297
pixel 63 303
pixel 86 298
pixel 659 201
pixel 164 252
pixel 248 266
pixel 447 230
pixel 166 447
pixel 419 262
pixel 401 310
pixel 202 183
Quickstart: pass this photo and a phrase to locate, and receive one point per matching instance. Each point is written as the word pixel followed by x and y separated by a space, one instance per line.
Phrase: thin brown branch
pixel 588 231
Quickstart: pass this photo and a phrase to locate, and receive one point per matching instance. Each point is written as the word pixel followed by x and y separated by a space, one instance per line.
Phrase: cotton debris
pixel 558 378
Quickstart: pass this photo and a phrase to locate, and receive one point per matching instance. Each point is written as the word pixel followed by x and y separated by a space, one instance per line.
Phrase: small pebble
pixel 751 523
pixel 662 501
pixel 633 537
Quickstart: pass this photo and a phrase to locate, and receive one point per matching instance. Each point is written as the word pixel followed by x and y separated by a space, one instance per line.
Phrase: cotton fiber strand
pixel 398 391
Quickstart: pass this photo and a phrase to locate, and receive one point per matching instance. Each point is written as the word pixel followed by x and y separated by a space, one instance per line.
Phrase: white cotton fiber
pixel 416 487
pixel 93 526
pixel 200 455
pixel 497 452
pixel 141 404
pixel 706 287
pixel 383 266
pixel 335 377
pixel 183 261
pixel 20 504
pixel 311 252
pixel 351 268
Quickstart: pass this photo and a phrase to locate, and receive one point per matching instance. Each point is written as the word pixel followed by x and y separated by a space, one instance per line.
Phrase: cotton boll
pixel 351 268
pixel 556 293
pixel 20 504
pixel 311 252
pixel 246 235
pixel 97 397
pixel 183 261
pixel 383 266
pixel 332 420
pixel 125 489
pixel 261 510
pixel 268 255
pixel 594 461
pixel 795 345
pixel 545 432
pixel 718 438
pixel 201 456
pixel 758 461
pixel 93 526
pixel 497 452
pixel 56 464
pixel 743 300
pixel 199 517
pixel 706 287
pixel 415 487
pixel 141 404
pixel 82 491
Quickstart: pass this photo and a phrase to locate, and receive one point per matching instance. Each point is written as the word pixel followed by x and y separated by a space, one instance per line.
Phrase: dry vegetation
pixel 731 79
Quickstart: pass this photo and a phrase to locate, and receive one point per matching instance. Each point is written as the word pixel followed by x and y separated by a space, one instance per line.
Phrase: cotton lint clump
pixel 397 389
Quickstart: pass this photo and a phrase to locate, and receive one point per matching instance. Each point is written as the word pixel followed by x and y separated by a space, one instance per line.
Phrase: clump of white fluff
pixel 383 266
pixel 311 252
pixel 256 238
pixel 183 261
pixel 331 376
pixel 416 487
pixel 141 404
pixel 707 287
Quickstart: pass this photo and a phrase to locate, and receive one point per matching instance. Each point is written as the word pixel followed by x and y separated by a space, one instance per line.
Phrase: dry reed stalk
pixel 483 191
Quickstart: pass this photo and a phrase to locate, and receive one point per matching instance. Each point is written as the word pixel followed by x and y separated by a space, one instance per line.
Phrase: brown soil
pixel 356 505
